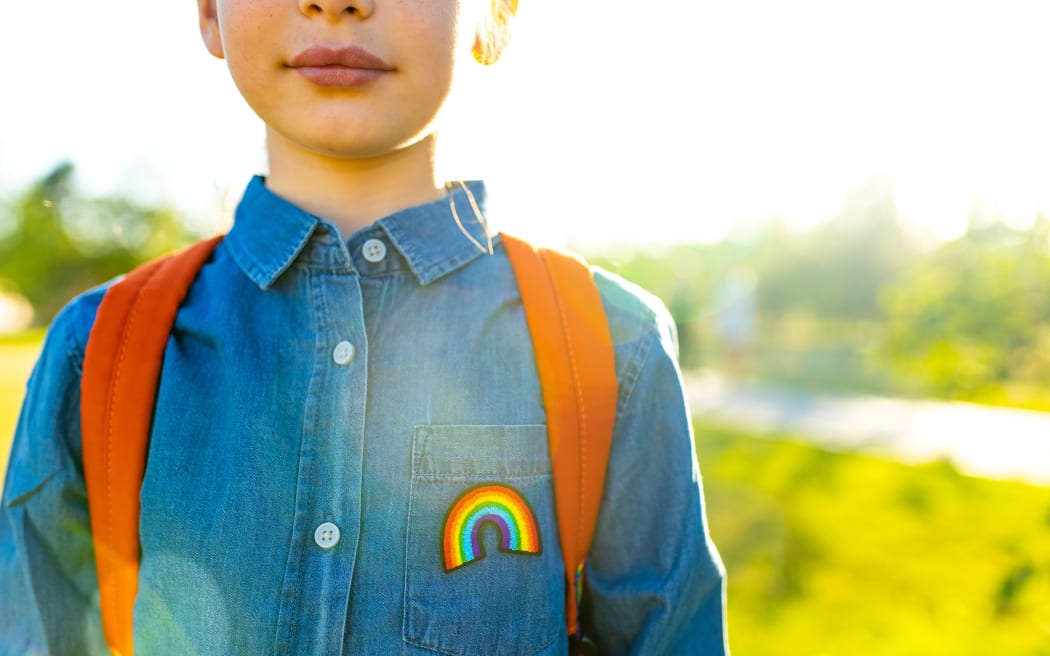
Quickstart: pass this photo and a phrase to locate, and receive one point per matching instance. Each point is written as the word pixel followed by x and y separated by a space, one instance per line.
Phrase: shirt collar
pixel 428 236
pixel 269 233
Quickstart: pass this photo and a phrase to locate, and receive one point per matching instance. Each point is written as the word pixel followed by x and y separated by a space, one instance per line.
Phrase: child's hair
pixel 493 39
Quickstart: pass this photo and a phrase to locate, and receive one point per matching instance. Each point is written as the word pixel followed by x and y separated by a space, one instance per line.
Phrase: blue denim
pixel 265 429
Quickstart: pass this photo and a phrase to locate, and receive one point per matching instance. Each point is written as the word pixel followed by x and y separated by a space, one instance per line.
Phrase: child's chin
pixel 348 142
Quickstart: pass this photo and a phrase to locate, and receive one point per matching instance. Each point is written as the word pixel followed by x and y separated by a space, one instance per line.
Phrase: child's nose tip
pixel 337 8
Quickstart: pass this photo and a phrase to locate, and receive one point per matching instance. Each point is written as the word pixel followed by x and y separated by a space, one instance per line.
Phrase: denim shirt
pixel 323 404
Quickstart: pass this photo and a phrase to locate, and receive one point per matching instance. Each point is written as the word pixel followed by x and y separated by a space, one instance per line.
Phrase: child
pixel 353 356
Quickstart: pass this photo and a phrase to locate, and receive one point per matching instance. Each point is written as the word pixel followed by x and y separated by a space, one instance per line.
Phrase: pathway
pixel 979 440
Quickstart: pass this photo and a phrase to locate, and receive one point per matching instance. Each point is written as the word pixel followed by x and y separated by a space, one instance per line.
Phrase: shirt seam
pixel 632 371
pixel 245 262
pixel 74 351
pixel 325 269
pixel 509 476
pixel 448 652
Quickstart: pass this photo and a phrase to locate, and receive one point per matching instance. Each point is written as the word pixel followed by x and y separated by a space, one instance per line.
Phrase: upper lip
pixel 349 57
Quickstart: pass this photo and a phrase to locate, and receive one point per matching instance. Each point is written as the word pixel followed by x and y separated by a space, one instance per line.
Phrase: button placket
pixel 329 474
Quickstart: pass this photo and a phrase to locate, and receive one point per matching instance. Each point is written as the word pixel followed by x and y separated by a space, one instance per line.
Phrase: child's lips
pixel 338 76
pixel 339 67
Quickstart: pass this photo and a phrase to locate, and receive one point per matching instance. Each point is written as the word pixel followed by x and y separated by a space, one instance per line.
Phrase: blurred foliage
pixel 860 304
pixel 819 321
pixel 972 319
pixel 837 553
pixel 686 278
pixel 17 353
pixel 838 270
pixel 56 242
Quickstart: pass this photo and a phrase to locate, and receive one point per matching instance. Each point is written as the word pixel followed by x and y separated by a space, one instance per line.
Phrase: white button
pixel 327 535
pixel 374 250
pixel 343 353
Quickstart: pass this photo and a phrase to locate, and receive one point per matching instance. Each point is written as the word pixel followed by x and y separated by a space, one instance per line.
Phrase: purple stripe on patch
pixel 475 535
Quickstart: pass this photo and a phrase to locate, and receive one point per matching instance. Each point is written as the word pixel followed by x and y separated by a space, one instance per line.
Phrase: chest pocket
pixel 483 570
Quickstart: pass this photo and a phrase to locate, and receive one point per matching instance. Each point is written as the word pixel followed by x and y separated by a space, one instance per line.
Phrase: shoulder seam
pixel 633 370
pixel 74 351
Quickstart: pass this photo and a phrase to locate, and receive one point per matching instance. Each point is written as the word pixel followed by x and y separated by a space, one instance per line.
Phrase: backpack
pixel 124 356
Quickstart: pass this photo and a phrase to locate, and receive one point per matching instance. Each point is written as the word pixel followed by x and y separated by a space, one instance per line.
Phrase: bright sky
pixel 606 122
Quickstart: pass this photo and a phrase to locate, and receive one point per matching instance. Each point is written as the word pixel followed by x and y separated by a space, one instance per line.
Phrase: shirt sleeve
pixel 49 603
pixel 654 582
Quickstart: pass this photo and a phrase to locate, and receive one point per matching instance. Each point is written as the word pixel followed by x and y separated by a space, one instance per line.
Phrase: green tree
pixel 975 314
pixel 59 242
pixel 839 269
pixel 685 277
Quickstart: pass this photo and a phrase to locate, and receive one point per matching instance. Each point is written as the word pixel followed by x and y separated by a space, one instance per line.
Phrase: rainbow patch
pixel 500 505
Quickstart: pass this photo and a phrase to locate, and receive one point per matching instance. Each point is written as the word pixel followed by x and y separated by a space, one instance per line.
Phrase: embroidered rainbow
pixel 493 503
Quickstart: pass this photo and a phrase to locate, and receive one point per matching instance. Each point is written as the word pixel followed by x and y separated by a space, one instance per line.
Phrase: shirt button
pixel 343 353
pixel 374 250
pixel 327 535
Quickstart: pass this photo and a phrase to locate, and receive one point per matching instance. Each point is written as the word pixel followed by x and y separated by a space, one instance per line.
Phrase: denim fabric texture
pixel 267 426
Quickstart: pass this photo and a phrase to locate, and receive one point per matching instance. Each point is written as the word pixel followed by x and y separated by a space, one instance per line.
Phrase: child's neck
pixel 353 193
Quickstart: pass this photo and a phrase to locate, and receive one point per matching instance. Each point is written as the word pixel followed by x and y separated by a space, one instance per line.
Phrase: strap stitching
pixel 132 315
pixel 581 413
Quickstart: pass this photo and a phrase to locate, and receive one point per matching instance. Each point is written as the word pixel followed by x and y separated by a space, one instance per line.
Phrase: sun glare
pixel 680 122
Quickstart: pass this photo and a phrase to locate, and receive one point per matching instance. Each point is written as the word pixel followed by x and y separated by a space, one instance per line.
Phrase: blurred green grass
pixel 837 553
pixel 17 355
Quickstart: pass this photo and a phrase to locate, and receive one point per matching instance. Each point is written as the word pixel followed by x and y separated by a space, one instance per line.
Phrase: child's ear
pixel 494 32
pixel 210 27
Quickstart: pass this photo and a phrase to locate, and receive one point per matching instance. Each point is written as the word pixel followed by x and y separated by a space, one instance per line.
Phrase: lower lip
pixel 339 76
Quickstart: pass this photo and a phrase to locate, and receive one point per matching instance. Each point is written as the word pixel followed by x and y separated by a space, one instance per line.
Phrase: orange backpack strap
pixel 577 368
pixel 121 367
